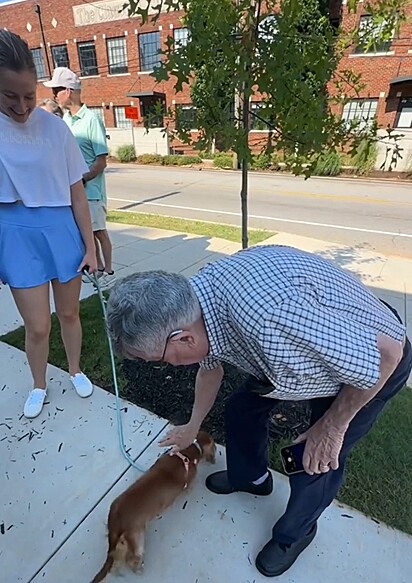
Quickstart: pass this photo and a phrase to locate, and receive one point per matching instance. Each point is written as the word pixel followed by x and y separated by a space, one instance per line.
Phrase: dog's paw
pixel 137 565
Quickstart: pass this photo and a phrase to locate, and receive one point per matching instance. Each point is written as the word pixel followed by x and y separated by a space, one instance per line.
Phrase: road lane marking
pixel 262 217
pixel 275 191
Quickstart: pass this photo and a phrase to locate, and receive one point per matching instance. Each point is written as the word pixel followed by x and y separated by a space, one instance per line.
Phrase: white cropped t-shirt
pixel 39 160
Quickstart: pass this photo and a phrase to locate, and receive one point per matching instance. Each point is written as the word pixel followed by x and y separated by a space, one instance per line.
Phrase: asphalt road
pixel 368 213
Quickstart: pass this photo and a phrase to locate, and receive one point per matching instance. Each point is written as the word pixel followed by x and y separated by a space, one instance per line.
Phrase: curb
pixel 356 179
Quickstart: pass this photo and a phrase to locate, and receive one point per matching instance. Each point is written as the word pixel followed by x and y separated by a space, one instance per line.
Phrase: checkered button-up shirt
pixel 293 318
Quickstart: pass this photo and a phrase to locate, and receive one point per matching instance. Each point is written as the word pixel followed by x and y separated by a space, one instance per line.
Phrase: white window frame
pixel 148 62
pixel 362 110
pixel 116 49
pixel 404 111
pixel 39 62
pixel 180 38
pixel 57 64
pixel 364 21
pixel 83 70
pixel 120 120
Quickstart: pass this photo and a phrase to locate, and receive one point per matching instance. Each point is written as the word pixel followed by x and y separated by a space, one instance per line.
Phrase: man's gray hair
pixel 144 308
pixel 53 106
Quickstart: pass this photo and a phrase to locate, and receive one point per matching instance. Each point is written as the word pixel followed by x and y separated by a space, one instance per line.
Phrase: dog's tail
pixel 117 551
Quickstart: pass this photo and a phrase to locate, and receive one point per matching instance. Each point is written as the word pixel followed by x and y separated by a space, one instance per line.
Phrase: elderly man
pixel 304 330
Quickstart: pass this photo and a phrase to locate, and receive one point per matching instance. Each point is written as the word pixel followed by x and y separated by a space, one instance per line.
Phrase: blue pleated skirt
pixel 38 245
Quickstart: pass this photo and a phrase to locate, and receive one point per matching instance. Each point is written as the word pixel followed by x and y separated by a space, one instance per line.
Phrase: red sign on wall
pixel 131 112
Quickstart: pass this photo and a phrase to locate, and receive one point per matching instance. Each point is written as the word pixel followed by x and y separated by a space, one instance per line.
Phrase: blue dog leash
pixel 95 281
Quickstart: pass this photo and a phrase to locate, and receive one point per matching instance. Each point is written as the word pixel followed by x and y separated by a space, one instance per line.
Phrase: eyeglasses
pixel 162 363
pixel 56 90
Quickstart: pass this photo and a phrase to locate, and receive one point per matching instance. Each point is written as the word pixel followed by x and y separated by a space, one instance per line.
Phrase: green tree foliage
pixel 284 53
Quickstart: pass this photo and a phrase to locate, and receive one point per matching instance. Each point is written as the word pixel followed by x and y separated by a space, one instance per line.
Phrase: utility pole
pixel 37 10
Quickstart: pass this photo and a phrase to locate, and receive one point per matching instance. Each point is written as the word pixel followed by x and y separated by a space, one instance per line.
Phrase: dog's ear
pixel 209 452
pixel 207 443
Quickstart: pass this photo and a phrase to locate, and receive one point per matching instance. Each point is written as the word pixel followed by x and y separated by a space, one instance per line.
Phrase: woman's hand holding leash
pixel 89 262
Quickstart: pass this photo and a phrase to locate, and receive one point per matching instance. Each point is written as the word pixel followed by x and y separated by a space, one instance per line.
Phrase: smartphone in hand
pixel 292 458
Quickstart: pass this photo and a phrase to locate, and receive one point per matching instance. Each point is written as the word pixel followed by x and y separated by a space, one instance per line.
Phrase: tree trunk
pixel 245 167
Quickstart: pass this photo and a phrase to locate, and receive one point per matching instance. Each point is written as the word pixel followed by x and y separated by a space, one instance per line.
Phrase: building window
pixel 60 56
pixel 181 38
pixel 186 117
pixel 369 30
pixel 261 117
pixel 117 55
pixel 87 59
pixel 362 111
pixel 149 47
pixel 404 117
pixel 120 120
pixel 39 64
pixel 98 111
pixel 152 111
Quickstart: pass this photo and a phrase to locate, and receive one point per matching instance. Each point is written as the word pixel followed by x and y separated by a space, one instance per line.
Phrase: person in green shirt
pixel 90 133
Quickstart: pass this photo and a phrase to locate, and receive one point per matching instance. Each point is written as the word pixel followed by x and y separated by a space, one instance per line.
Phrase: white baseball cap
pixel 64 77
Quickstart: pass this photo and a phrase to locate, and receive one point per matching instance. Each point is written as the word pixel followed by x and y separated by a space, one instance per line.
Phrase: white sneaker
pixel 82 385
pixel 34 403
pixel 107 280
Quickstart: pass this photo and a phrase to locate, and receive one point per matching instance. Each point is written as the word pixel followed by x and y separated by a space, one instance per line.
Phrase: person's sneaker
pixel 107 280
pixel 219 484
pixel 34 403
pixel 82 385
pixel 276 558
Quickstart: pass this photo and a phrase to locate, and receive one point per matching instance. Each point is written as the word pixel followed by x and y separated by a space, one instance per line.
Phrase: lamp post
pixel 37 10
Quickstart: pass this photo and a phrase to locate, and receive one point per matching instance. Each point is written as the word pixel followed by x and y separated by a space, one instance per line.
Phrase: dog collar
pixel 199 447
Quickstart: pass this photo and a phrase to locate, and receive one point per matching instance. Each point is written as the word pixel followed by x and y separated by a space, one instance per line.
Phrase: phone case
pixel 292 458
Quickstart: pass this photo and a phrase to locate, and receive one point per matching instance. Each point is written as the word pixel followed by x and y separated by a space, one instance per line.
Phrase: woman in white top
pixel 45 228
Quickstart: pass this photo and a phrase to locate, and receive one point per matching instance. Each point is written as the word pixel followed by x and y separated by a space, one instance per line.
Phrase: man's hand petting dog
pixel 322 449
pixel 180 437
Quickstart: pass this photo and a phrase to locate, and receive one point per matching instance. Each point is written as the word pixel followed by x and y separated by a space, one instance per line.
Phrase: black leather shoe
pixel 219 484
pixel 276 558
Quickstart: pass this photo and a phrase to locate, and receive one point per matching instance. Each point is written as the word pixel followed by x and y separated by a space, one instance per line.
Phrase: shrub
pixel 329 163
pixel 223 161
pixel 149 159
pixel 126 153
pixel 219 154
pixel 174 160
pixel 206 155
pixel 171 160
pixel 276 160
pixel 261 162
pixel 364 158
pixel 187 160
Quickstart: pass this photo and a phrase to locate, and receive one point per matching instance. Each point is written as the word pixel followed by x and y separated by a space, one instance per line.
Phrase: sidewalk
pixel 63 469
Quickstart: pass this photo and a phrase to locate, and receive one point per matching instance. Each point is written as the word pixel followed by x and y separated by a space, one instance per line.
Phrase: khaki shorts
pixel 98 212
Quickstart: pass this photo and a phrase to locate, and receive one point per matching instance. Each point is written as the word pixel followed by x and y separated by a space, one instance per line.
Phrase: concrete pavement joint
pixel 94 506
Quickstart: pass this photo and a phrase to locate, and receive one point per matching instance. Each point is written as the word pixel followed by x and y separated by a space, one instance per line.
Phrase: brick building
pixel 386 74
pixel 114 55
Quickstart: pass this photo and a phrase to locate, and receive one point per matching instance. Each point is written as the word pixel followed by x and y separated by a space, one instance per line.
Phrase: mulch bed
pixel 169 392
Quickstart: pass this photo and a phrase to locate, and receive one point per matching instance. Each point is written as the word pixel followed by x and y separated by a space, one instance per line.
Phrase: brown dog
pixel 148 497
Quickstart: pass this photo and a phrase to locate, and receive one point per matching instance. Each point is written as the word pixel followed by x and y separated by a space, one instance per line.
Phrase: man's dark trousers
pixel 247 415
